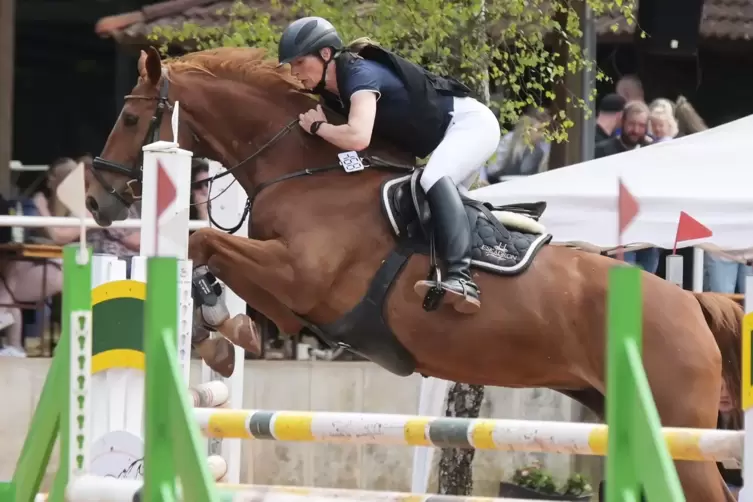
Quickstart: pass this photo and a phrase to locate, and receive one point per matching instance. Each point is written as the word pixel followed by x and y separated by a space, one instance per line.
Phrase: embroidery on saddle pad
pixel 503 241
pixel 497 249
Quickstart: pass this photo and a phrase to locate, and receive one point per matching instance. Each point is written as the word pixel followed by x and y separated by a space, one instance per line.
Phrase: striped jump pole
pixel 746 493
pixel 91 489
pixel 441 432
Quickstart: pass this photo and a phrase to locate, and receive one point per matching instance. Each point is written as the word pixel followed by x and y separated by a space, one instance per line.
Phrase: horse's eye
pixel 130 120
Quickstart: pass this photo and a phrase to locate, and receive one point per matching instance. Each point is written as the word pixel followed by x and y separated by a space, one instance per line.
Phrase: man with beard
pixel 633 133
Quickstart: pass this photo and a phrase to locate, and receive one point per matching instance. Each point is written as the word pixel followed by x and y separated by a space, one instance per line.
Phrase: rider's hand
pixel 314 115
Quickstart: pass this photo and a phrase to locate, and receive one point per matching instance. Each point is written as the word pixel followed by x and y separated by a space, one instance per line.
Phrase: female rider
pixel 418 111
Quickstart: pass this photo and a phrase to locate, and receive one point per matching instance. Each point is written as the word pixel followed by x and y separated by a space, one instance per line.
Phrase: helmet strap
pixel 322 82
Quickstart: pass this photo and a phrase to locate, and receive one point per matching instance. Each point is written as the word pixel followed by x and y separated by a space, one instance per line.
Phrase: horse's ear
pixel 153 65
pixel 142 65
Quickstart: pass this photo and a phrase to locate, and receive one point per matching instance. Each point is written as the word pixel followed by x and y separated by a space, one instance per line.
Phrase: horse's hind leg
pixel 686 386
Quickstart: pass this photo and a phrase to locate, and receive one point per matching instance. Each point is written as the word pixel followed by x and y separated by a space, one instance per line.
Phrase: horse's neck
pixel 239 123
pixel 234 123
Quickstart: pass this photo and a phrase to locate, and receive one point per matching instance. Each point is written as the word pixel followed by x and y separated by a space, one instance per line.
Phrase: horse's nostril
pixel 91 204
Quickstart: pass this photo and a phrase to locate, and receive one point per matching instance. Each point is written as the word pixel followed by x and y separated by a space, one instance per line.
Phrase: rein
pixel 135 171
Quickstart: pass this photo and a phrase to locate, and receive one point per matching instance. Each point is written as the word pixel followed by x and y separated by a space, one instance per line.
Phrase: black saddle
pixel 505 249
pixel 501 248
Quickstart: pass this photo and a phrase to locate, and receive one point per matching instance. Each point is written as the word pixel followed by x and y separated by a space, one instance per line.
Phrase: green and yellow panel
pixel 118 378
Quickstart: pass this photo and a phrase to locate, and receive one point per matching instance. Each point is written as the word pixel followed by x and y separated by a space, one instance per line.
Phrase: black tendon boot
pixel 453 240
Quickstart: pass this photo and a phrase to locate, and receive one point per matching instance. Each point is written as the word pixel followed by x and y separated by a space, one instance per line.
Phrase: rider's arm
pixel 356 134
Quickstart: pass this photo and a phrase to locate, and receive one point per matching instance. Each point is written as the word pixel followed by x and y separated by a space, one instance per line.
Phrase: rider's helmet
pixel 307 36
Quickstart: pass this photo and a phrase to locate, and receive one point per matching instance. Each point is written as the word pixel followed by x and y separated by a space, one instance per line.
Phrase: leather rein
pixel 136 171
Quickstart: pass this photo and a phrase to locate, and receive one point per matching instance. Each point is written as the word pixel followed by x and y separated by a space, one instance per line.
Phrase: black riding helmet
pixel 307 36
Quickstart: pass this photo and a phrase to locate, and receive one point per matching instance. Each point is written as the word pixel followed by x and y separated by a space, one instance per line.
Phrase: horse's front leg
pixel 243 266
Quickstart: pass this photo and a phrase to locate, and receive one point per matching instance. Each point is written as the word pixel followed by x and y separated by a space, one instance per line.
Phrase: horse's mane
pixel 239 64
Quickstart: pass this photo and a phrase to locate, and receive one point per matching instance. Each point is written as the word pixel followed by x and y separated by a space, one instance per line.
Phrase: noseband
pixel 136 171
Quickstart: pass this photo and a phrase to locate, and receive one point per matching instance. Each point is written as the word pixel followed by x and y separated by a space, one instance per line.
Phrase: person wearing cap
pixel 609 116
pixel 633 133
pixel 419 112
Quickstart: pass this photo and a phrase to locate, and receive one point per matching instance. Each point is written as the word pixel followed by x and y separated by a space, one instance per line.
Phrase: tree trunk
pixel 455 472
pixel 464 400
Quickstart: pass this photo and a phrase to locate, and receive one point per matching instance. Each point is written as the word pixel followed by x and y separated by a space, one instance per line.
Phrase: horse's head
pixel 243 112
pixel 144 119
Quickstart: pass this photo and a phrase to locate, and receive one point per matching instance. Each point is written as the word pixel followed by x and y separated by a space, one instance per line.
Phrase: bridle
pixel 136 174
pixel 136 171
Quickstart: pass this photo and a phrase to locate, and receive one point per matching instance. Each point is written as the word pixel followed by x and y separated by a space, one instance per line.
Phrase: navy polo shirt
pixel 393 102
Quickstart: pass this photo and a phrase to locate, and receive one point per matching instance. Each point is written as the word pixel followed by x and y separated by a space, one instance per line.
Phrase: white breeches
pixel 470 140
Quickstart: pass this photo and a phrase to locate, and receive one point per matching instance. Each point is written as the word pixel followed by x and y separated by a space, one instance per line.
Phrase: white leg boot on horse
pixel 218 352
pixel 210 296
pixel 214 263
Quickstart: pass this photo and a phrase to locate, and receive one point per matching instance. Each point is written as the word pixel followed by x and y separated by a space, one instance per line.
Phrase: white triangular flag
pixel 72 192
pixel 172 230
pixel 175 123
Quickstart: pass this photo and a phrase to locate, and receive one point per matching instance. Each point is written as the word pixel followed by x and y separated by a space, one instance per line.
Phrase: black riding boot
pixel 452 235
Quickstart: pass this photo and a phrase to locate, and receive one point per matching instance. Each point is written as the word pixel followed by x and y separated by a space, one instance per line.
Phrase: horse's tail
pixel 724 317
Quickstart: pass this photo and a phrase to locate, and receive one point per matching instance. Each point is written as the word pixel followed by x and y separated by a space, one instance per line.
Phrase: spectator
pixel 524 150
pixel 633 133
pixel 688 119
pixel 663 125
pixel 21 282
pixel 47 204
pixel 121 242
pixel 609 116
pixel 630 88
pixel 723 275
pixel 662 122
pixel 662 104
pixel 728 419
pixel 200 190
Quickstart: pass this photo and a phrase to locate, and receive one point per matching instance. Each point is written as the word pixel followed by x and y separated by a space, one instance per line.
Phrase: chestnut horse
pixel 339 252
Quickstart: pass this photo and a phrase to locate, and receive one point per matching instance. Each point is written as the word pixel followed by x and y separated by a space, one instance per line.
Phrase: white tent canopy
pixel 709 175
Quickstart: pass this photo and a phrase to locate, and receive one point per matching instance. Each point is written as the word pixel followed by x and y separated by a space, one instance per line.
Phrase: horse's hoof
pixel 219 354
pixel 241 330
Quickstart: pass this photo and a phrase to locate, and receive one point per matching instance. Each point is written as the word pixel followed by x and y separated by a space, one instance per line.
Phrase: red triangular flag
pixel 627 209
pixel 689 229
pixel 166 192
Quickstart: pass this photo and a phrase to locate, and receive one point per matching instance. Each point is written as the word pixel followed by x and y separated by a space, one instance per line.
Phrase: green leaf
pixel 484 43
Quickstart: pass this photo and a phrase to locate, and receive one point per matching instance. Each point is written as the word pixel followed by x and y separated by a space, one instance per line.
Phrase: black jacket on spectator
pixel 600 135
pixel 610 146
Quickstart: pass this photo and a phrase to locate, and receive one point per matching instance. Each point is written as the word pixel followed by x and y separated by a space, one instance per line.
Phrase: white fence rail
pixel 67 221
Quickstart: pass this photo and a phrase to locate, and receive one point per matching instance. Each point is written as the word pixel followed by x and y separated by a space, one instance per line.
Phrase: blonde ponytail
pixel 359 43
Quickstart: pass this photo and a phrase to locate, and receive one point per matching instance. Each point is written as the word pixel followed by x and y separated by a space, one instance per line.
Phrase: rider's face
pixel 308 69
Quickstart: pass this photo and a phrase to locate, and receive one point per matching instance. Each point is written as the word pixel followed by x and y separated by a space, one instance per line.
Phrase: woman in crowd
pixel 663 125
pixel 22 281
pixel 200 189
pixel 524 150
pixel 729 419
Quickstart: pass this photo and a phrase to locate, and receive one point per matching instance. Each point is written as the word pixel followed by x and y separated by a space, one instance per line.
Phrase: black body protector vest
pixel 429 121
